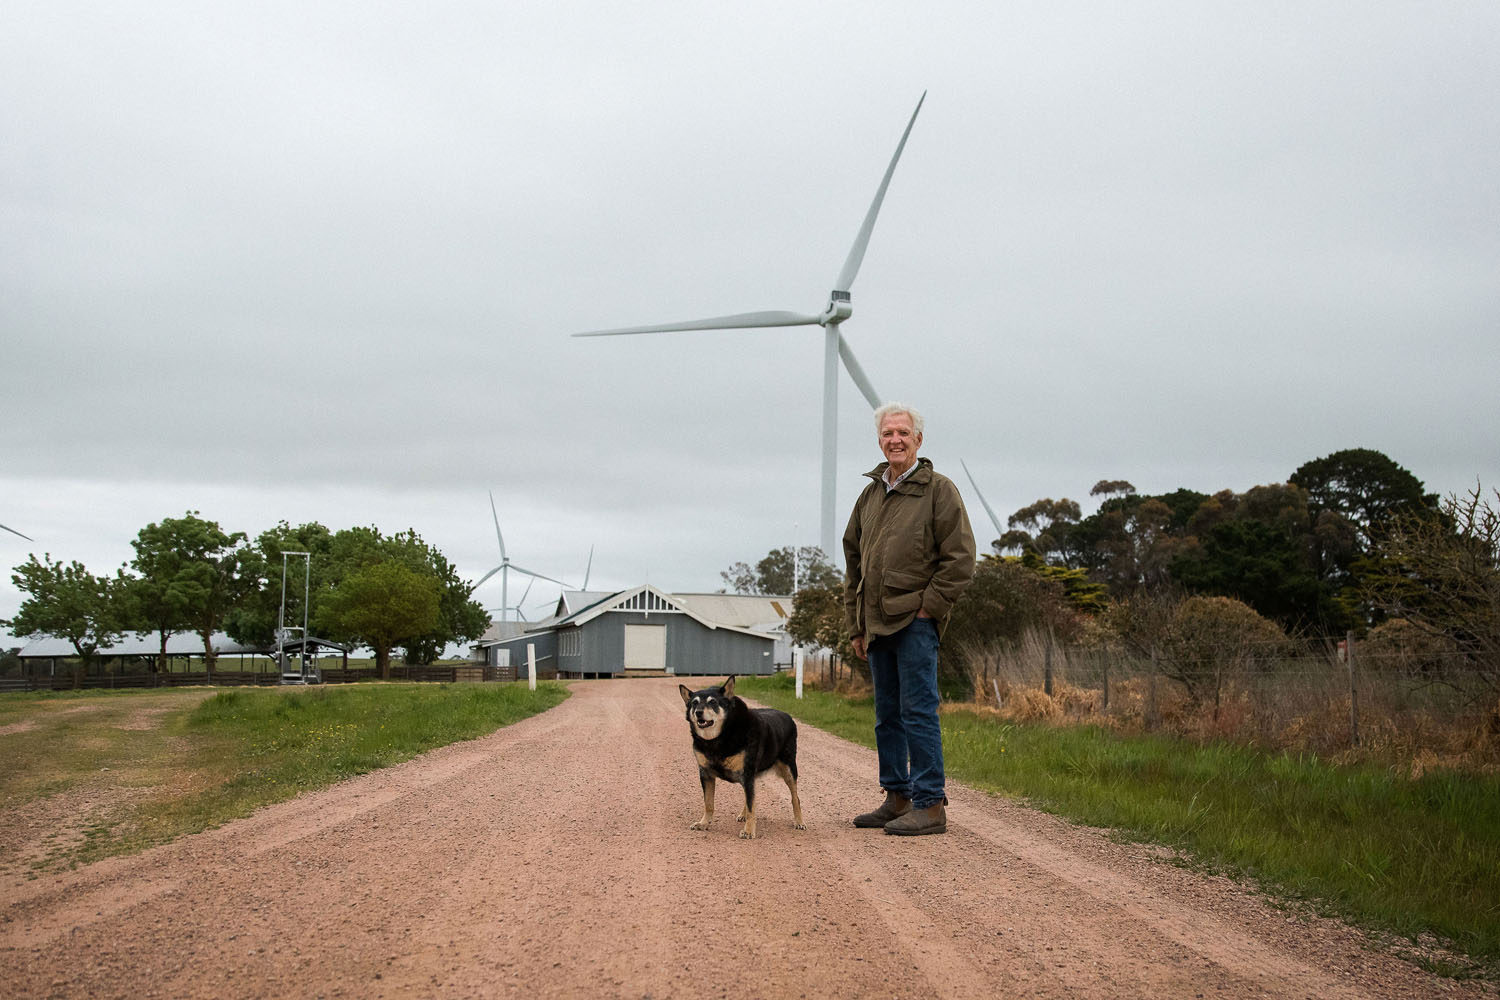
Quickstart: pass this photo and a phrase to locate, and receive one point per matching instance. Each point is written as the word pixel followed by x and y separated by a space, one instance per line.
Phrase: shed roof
pixel 502 630
pixel 148 644
pixel 762 612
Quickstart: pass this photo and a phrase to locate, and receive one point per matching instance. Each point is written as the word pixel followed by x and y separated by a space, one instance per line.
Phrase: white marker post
pixel 797 661
pixel 531 665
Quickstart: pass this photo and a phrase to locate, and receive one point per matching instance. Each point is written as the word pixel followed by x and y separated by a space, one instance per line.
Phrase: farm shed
pixel 645 632
pixel 132 660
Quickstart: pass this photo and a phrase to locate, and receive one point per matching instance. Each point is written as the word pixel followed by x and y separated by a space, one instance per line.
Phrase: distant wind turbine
pixel 505 568
pixel 840 307
pixel 994 519
pixel 588 569
pixel 520 614
pixel 13 531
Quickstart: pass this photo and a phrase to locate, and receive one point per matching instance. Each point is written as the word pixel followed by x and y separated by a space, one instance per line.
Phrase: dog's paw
pixel 799 826
pixel 701 824
pixel 747 835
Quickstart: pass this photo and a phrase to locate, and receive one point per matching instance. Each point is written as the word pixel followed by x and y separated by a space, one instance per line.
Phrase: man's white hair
pixel 890 408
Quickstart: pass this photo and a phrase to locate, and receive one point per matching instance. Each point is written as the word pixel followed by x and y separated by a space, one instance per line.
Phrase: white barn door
pixel 645 647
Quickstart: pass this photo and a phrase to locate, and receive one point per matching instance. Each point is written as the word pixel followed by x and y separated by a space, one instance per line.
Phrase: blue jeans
pixel 908 739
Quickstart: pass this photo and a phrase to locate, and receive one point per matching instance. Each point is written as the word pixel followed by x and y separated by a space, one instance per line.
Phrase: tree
pixel 783 571
pixel 1112 487
pixel 69 602
pixel 1267 548
pixel 335 556
pixel 1440 571
pixel 254 619
pixel 1005 600
pixel 1363 485
pixel 1251 561
pixel 1197 641
pixel 189 580
pixel 148 607
pixel 1044 527
pixel 817 619
pixel 1131 540
pixel 1085 595
pixel 459 618
pixel 383 604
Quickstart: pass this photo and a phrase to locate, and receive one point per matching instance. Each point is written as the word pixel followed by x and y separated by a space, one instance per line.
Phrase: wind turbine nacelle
pixel 839 308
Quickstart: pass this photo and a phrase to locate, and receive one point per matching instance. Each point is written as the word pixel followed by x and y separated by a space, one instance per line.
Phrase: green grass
pixel 206 759
pixel 1412 857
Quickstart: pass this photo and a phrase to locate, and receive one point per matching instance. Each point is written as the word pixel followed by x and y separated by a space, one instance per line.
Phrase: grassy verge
pixel 1414 857
pixel 127 770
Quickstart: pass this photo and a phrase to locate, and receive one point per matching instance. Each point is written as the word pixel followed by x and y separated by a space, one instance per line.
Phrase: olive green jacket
pixel 906 551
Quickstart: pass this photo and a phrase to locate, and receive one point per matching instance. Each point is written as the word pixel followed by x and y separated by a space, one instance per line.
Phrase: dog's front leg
pixel 707 779
pixel 748 833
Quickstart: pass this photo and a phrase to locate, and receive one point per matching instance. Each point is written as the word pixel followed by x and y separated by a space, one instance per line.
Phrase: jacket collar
pixel 920 476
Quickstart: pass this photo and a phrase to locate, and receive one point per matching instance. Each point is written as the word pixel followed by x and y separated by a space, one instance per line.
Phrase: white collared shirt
pixel 899 479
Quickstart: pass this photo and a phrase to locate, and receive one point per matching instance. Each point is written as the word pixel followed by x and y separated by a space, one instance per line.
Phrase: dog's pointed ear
pixel 687 696
pixel 729 687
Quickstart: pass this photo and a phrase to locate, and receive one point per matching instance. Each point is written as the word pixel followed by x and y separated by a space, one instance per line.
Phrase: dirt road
pixel 554 859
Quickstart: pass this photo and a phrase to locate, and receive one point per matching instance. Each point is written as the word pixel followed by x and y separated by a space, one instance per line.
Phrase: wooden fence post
pixel 1153 714
pixel 1105 706
pixel 1047 667
pixel 1353 689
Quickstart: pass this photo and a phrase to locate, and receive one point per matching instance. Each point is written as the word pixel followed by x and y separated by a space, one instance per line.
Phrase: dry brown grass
pixel 1301 706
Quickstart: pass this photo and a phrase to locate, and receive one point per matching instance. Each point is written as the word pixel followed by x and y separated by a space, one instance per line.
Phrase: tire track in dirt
pixel 553 858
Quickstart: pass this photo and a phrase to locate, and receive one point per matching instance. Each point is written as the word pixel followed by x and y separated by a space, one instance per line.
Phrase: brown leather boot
pixel 893 806
pixel 916 822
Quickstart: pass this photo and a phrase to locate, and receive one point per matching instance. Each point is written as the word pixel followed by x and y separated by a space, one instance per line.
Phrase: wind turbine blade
pixel 858 374
pixel 489 574
pixel 498 537
pixel 13 531
pixel 739 321
pixel 588 569
pixel 539 576
pixel 987 508
pixel 857 253
pixel 525 593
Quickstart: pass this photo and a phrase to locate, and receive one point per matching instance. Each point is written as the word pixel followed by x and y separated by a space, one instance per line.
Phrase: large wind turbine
pixel 506 566
pixel 839 308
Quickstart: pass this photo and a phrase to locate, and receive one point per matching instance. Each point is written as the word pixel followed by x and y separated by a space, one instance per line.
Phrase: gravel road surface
pixel 553 858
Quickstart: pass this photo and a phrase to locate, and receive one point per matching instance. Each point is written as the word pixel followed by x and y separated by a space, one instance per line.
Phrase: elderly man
pixel 910 553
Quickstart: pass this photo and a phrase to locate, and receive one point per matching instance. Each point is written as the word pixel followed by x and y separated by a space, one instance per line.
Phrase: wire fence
pixel 1326 695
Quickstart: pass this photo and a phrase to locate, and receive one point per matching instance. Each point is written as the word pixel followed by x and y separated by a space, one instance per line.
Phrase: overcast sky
pixel 321 261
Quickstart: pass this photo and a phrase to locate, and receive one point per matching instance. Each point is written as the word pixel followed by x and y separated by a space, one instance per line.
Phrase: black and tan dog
pixel 735 742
